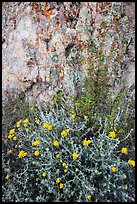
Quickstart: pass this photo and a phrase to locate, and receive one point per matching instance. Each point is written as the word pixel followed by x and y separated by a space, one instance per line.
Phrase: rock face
pixel 45 46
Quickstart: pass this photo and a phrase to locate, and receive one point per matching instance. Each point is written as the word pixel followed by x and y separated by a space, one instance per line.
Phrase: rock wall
pixel 45 45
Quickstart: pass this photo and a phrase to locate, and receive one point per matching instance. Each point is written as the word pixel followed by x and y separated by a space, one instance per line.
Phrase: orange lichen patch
pixel 36 39
pixel 50 12
pixel 75 13
pixel 116 29
pixel 61 78
pixel 58 23
pixel 38 20
pixel 62 69
pixel 102 7
pixel 107 3
pixel 91 9
pixel 100 31
pixel 40 78
pixel 97 9
pixel 113 44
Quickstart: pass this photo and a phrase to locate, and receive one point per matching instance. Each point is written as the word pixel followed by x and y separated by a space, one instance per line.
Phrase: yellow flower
pixel 18 123
pixel 57 156
pixel 47 126
pixel 125 176
pixel 89 197
pixel 112 134
pixel 131 162
pixel 89 141
pixel 113 169
pixel 27 129
pixel 61 185
pixel 124 150
pixel 56 143
pixel 85 143
pixel 37 121
pixel 26 120
pixel 9 151
pixel 22 154
pixel 73 116
pixel 47 99
pixel 36 105
pixel 64 133
pixel 12 131
pixel 65 170
pixel 44 174
pixel 64 164
pixel 58 180
pixel 14 138
pixel 75 155
pixel 36 153
pixel 36 142
pixel 112 97
pixel 10 136
pixel 25 124
pixel 67 130
pixel 7 177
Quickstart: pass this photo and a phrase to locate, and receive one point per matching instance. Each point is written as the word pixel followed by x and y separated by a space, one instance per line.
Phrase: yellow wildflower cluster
pixel 57 156
pixel 36 142
pixel 9 151
pixel 124 150
pixel 65 132
pixel 113 169
pixel 89 197
pixel 44 174
pixel 131 162
pixel 25 122
pixel 36 153
pixel 112 134
pixel 19 123
pixel 56 143
pixel 47 126
pixel 37 121
pixel 61 185
pixel 22 154
pixel 11 133
pixel 86 142
pixel 75 155
pixel 73 116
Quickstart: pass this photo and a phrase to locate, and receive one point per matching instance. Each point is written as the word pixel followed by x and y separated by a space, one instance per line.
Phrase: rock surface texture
pixel 45 46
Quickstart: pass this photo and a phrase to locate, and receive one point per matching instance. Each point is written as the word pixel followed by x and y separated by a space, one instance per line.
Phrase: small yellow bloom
pixel 27 129
pixel 56 143
pixel 73 116
pixel 112 134
pixel 124 150
pixel 19 123
pixel 48 76
pixel 7 177
pixel 58 180
pixel 85 143
pixel 112 97
pixel 45 125
pixel 12 131
pixel 36 142
pixel 125 176
pixel 37 121
pixel 36 153
pixel 72 141
pixel 22 154
pixel 131 162
pixel 65 170
pixel 14 138
pixel 44 174
pixel 57 156
pixel 47 99
pixel 67 130
pixel 26 120
pixel 36 105
pixel 75 155
pixel 89 141
pixel 89 197
pixel 64 133
pixel 25 124
pixel 64 164
pixel 9 151
pixel 10 136
pixel 113 169
pixel 61 185
pixel 49 127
